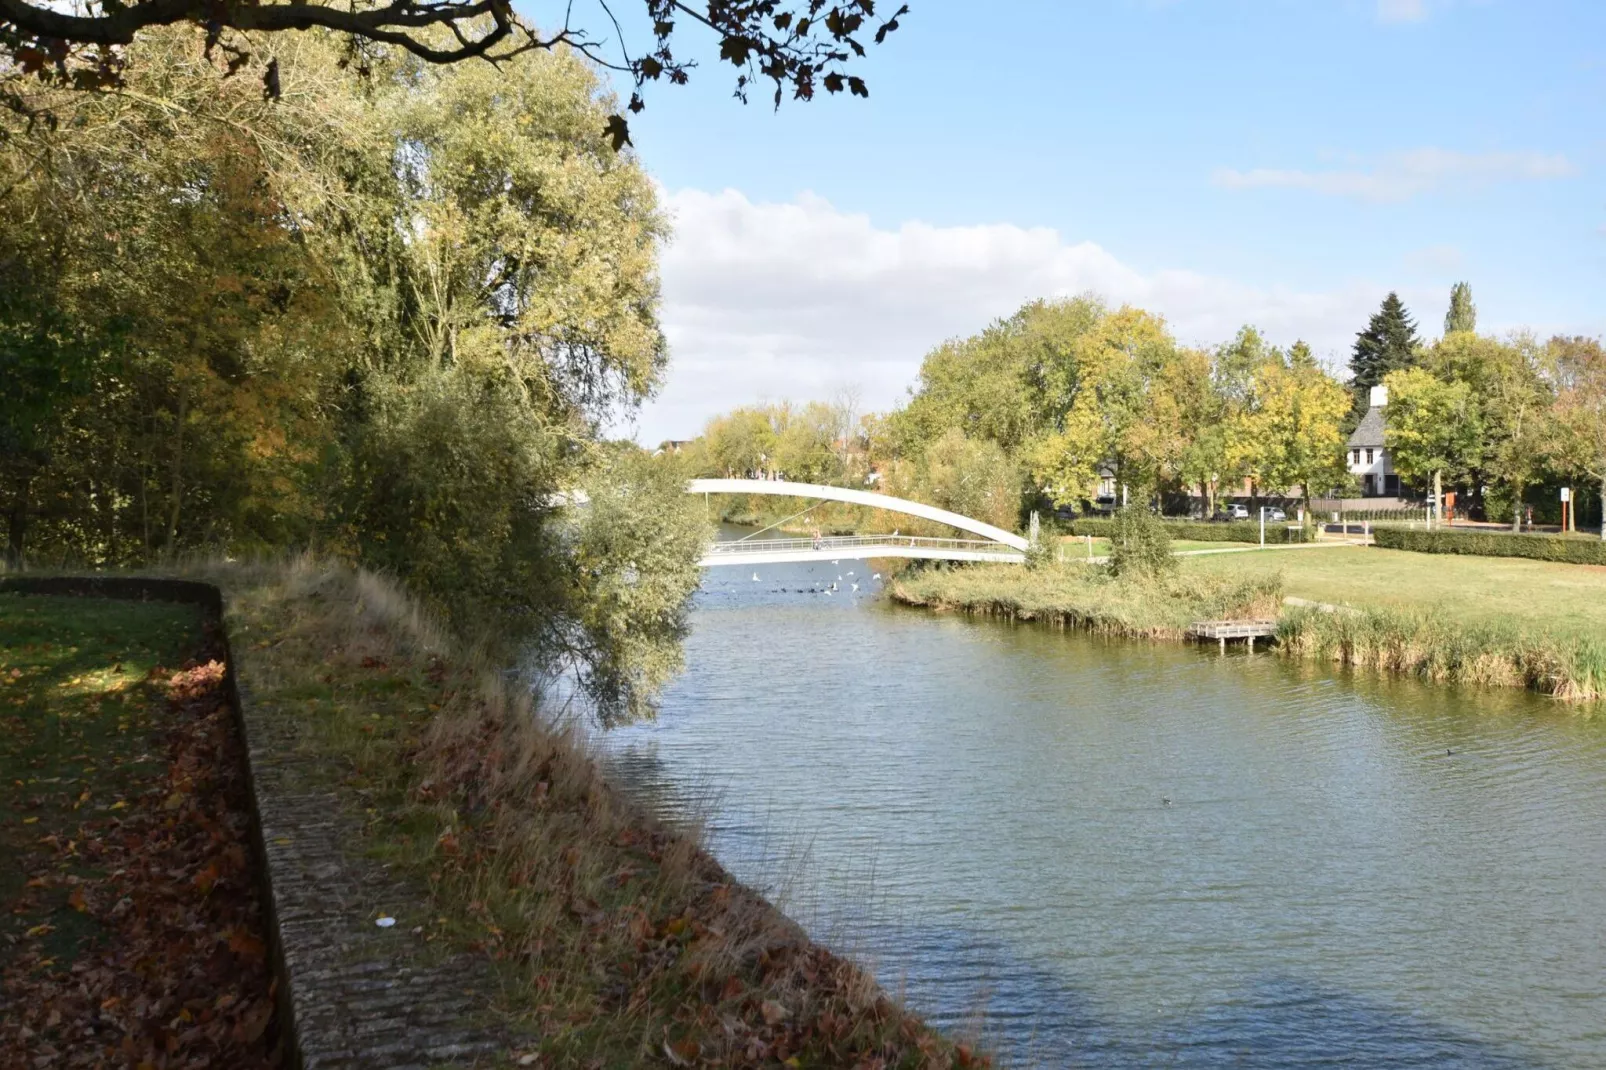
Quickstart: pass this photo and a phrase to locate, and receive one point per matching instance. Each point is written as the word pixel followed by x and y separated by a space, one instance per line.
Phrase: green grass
pixel 1559 598
pixel 78 706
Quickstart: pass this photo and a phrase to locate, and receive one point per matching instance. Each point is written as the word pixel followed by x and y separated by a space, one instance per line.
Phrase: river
pixel 1111 854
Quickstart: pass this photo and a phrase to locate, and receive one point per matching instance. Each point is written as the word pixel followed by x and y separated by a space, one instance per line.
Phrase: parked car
pixel 1274 513
pixel 1235 511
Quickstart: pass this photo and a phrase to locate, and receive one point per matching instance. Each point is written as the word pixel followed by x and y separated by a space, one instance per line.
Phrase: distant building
pixel 1368 456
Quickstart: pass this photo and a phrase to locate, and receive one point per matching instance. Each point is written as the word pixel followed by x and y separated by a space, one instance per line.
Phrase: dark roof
pixel 1369 432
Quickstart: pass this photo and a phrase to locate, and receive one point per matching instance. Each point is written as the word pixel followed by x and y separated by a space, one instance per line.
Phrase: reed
pixel 1434 645
pixel 1429 643
pixel 1090 599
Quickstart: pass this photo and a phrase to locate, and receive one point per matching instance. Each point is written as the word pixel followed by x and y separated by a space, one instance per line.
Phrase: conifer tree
pixel 1388 344
pixel 1463 314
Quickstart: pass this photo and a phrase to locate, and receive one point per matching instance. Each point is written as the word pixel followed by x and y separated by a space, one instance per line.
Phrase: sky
pixel 1282 163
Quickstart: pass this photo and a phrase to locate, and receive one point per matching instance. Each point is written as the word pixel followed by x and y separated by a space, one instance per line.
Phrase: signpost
pixel 1566 509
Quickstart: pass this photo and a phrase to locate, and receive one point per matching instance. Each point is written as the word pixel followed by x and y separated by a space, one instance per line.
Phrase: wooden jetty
pixel 1223 630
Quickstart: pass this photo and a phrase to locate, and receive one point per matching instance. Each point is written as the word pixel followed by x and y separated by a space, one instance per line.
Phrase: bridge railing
pixel 849 542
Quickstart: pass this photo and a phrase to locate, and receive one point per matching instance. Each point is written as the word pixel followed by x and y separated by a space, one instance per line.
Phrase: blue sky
pixel 1285 161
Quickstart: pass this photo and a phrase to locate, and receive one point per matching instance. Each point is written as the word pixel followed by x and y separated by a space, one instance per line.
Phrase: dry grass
pixel 1435 645
pixel 618 941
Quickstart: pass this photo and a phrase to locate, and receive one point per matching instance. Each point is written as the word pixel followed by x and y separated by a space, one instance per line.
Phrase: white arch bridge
pixel 995 544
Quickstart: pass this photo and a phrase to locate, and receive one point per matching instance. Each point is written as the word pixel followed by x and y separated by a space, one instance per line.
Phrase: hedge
pixel 1575 551
pixel 1199 531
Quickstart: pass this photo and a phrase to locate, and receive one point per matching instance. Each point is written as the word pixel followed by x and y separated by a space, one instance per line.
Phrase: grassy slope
pixel 1542 594
pixel 618 942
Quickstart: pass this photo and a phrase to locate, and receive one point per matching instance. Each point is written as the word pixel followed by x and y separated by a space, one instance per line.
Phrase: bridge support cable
pixel 778 523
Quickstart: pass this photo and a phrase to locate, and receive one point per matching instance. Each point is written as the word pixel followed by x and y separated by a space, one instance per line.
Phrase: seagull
pixel 877 576
pixel 755 577
pixel 836 562
pixel 828 592
pixel 850 572
pixel 855 586
pixel 1165 800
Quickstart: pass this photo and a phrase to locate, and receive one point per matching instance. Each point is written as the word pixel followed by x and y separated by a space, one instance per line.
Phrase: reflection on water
pixel 1116 854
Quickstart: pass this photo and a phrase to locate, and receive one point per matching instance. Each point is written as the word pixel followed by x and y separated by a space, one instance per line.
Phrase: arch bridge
pixel 995 544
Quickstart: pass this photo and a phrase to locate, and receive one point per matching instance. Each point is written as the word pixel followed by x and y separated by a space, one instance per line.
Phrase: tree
pixel 1463 314
pixel 796 46
pixel 1433 428
pixel 1290 432
pixel 974 479
pixel 1578 439
pixel 384 318
pixel 1512 398
pixel 741 442
pixel 1388 344
pixel 1005 384
pixel 1118 415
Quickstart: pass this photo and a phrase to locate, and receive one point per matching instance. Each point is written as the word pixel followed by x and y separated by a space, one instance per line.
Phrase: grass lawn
pixel 130 930
pixel 1560 597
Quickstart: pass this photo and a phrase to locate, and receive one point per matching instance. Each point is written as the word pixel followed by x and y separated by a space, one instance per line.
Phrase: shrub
pixel 1199 531
pixel 1490 544
pixel 1140 544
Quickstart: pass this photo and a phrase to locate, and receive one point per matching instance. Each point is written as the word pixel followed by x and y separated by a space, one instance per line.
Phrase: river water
pixel 1111 854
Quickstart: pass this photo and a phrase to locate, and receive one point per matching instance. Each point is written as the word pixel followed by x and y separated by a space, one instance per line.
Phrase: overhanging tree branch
pixel 795 44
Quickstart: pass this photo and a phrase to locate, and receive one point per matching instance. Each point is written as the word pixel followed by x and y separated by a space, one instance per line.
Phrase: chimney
pixel 1380 396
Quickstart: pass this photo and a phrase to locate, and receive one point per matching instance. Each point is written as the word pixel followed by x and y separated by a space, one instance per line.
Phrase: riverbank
pixel 578 931
pixel 1432 640
pixel 1077 596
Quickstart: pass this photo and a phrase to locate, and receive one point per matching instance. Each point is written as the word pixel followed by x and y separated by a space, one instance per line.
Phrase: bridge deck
pixel 856 548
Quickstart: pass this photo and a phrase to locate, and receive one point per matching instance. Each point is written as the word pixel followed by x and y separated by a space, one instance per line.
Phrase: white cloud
pixel 794 300
pixel 1402 10
pixel 1402 175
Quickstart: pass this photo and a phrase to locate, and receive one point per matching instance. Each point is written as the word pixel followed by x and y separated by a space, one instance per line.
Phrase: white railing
pixel 849 542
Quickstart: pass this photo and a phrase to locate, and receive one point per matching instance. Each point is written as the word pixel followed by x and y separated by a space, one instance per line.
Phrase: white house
pixel 1368 456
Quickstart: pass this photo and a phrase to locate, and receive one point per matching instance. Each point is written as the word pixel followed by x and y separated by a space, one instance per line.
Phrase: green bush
pixel 1199 531
pixel 1577 551
pixel 1140 544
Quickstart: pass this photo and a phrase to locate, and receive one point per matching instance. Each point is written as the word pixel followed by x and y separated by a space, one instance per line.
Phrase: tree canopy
pixel 1463 314
pixel 1387 345
pixel 383 317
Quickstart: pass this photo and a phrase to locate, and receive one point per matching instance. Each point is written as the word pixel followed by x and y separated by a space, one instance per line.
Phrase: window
pixel 1354 456
pixel 1368 455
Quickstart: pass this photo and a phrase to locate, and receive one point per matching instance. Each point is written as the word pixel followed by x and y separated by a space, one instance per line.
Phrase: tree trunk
pixel 1603 508
pixel 1438 498
pixel 1516 510
pixel 178 479
pixel 16 526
